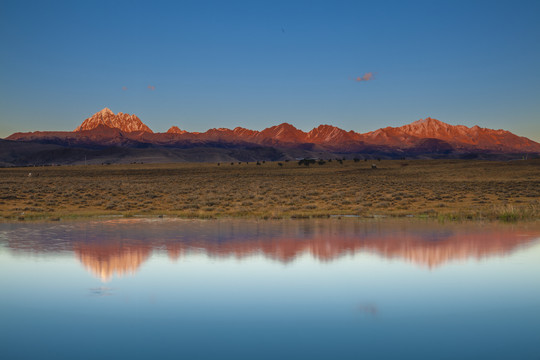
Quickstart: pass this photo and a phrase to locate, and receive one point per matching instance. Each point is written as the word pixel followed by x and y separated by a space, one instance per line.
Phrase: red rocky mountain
pixel 121 121
pixel 420 137
pixel 175 130
pixel 459 136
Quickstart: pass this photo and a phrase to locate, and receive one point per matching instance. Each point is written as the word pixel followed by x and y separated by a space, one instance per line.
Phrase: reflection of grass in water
pixel 444 189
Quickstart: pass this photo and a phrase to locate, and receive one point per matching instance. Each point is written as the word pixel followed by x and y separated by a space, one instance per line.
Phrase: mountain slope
pixel 459 134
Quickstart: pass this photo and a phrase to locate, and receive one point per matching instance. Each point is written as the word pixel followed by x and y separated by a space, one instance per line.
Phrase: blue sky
pixel 205 64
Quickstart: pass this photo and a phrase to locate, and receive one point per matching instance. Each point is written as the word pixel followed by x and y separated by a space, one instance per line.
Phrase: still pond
pixel 287 289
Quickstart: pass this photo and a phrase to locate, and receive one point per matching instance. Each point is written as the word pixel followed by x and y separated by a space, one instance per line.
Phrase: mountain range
pixel 117 133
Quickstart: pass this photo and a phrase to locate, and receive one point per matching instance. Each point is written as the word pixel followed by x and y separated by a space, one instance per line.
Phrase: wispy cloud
pixel 366 77
pixel 152 87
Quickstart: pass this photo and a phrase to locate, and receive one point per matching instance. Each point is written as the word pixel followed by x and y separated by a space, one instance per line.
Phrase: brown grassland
pixel 443 189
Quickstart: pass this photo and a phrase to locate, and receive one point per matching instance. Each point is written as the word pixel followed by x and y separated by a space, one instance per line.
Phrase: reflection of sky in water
pixel 340 290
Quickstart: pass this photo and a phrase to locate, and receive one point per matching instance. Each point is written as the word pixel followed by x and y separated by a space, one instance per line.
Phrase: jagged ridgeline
pixel 123 138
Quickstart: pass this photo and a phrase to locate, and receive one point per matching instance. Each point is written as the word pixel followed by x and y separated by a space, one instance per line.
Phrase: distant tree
pixel 307 162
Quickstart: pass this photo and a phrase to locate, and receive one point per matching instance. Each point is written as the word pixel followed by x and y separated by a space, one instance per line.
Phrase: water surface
pixel 246 289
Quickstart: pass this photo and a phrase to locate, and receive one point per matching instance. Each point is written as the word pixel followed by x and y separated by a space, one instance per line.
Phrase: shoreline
pixel 505 218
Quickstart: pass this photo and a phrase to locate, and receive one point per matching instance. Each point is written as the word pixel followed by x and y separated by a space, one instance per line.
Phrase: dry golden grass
pixel 453 189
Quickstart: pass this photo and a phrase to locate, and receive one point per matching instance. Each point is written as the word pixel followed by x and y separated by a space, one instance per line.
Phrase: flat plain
pixel 444 189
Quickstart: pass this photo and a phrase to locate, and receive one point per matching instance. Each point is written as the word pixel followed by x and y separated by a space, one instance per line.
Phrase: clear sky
pixel 204 64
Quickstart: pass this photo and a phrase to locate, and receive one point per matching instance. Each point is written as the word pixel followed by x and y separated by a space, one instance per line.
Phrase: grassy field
pixel 445 189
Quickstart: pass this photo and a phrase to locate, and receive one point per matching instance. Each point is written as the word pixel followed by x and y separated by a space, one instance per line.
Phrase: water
pixel 241 289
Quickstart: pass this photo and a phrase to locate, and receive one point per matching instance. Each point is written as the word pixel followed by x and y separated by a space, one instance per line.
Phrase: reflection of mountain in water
pixel 429 251
pixel 105 260
pixel 121 246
